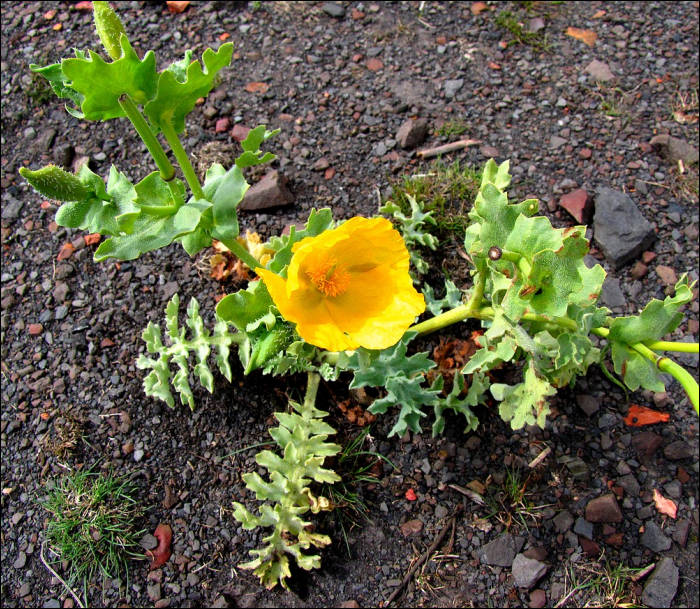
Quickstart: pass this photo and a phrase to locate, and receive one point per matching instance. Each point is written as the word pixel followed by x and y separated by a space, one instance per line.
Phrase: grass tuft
pixel 92 526
pixel 446 190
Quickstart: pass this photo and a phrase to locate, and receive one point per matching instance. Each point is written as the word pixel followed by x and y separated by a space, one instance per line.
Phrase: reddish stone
pixel 322 164
pixel 585 153
pixel 616 539
pixel 222 125
pixel 639 270
pixel 269 192
pixel 591 548
pixel 666 274
pixel 239 133
pixel 412 527
pixel 35 329
pixel 357 57
pixel 682 476
pixel 578 204
pixel 441 40
pixel 646 443
pixel 329 174
pixel 374 64
pixel 603 509
pixel 647 257
pixel 538 599
pixel 538 553
pixel 357 15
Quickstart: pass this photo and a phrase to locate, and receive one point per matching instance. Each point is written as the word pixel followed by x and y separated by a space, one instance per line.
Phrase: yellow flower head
pixel 348 287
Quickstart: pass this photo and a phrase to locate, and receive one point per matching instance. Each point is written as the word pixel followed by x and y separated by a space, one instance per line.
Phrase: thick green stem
pixel 477 295
pixel 311 391
pixel 241 253
pixel 182 159
pixel 662 345
pixel 167 171
pixel 684 378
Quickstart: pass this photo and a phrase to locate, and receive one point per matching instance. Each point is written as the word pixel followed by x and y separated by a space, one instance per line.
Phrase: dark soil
pixel 339 88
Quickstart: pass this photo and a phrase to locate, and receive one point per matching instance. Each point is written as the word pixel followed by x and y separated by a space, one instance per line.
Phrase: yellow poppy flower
pixel 348 287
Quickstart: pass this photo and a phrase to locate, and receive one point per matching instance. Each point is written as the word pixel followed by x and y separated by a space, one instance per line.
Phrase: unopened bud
pixel 109 28
pixel 495 253
pixel 55 183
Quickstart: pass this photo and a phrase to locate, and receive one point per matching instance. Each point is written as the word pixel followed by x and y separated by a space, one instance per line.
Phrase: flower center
pixel 329 277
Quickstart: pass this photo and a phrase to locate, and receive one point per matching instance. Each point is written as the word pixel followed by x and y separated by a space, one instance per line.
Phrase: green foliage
pixel 413 229
pixel 452 299
pixel 109 28
pixel 508 21
pixel 55 183
pixel 92 526
pixel 319 221
pixel 302 435
pixel 157 381
pixel 653 323
pixel 178 90
pixel 403 378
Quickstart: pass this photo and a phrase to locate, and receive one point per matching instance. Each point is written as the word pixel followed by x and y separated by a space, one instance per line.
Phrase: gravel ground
pixel 341 80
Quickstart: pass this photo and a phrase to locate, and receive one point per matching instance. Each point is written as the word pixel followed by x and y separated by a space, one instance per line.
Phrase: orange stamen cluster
pixel 329 277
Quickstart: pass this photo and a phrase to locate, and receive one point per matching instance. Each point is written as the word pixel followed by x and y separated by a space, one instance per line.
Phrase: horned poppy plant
pixel 348 287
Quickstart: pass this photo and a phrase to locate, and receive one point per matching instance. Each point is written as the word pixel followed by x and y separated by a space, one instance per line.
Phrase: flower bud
pixel 269 344
pixel 55 183
pixel 109 28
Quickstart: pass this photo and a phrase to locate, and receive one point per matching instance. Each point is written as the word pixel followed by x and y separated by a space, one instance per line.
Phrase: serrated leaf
pixel 388 363
pixel 452 299
pixel 252 155
pixel 175 99
pixel 475 395
pixel 58 81
pixel 102 84
pixel 498 175
pixel 490 356
pixel 525 403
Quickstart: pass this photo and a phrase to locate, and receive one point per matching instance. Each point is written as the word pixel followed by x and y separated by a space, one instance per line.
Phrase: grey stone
pixel 45 141
pixel 612 295
pixel 680 535
pixel 412 133
pixel 662 584
pixel 556 142
pixel 11 209
pixel 630 484
pixel 654 538
pixel 22 560
pixel 599 71
pixel 675 149
pixel 269 192
pixel 499 552
pixel 678 450
pixel 620 229
pixel 441 512
pixel 578 469
pixel 334 10
pixel 583 527
pixel 563 521
pixel 527 571
pixel 452 87
pixel 588 404
pixel 52 603
pixel 674 489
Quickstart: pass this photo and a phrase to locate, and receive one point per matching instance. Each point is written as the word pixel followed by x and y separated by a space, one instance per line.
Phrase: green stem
pixel 684 378
pixel 662 345
pixel 311 391
pixel 518 260
pixel 167 171
pixel 182 159
pixel 241 253
pixel 675 370
pixel 477 295
pixel 665 364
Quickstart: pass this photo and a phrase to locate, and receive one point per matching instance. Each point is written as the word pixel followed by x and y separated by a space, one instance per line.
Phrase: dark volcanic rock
pixel 620 229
